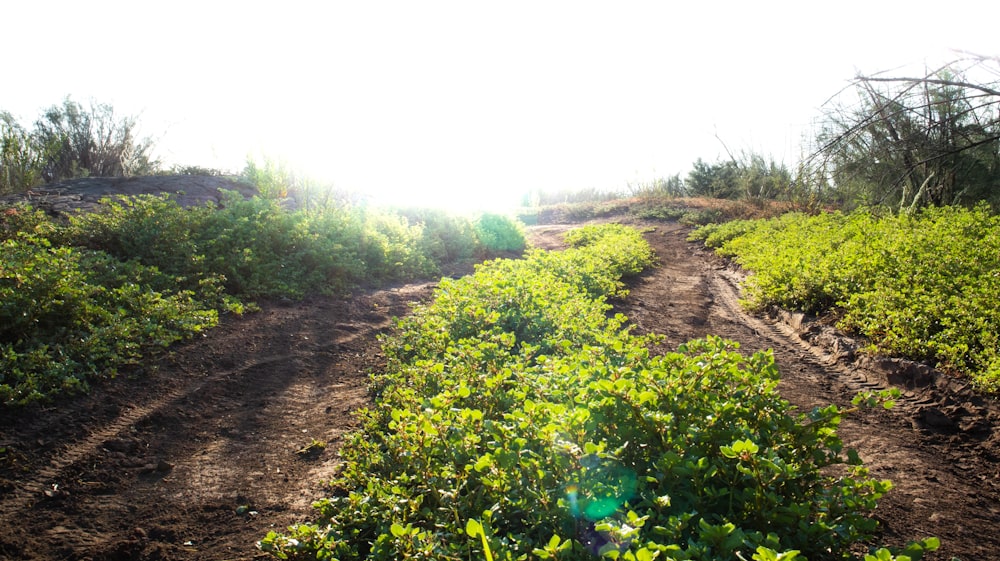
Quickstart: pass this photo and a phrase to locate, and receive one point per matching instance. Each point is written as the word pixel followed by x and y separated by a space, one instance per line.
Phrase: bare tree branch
pixel 937 81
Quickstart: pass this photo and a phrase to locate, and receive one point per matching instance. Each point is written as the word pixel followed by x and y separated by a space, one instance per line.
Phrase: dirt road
pixel 199 457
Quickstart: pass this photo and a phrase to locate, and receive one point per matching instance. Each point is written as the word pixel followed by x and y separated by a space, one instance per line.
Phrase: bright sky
pixel 470 103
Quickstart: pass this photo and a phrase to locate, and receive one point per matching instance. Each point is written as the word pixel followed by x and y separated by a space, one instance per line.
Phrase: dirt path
pixel 201 457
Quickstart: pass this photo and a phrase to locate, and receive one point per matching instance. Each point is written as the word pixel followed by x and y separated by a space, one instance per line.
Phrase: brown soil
pixel 203 452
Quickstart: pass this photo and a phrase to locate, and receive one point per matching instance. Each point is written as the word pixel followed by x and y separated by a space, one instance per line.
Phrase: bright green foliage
pixel 444 238
pixel 497 232
pixel 922 286
pixel 23 220
pixel 259 249
pixel 81 300
pixel 393 249
pixel 516 420
pixel 67 315
pixel 264 250
pixel 914 551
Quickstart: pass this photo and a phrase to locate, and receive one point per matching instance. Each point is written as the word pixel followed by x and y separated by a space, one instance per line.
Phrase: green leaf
pixel 474 528
pixel 484 462
pixel 397 530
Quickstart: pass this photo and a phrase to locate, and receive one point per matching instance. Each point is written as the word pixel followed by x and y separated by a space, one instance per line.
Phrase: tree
pixel 21 159
pixel 672 186
pixel 760 178
pixel 95 142
pixel 718 181
pixel 907 142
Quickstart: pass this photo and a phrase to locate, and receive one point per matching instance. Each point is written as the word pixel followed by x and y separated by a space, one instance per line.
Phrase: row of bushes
pixel 923 286
pixel 694 211
pixel 81 298
pixel 517 420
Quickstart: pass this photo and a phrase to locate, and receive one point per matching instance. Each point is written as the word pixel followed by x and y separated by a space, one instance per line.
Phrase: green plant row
pixel 80 299
pixel 265 250
pixel 517 420
pixel 922 286
pixel 68 315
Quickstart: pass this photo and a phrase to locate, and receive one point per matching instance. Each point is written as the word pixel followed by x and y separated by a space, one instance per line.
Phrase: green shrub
pixel 921 286
pixel 264 250
pixel 391 248
pixel 81 300
pixel 68 316
pixel 445 238
pixel 153 230
pixel 22 218
pixel 497 233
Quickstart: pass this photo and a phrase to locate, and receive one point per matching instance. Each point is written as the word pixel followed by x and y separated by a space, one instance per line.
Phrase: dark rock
pixel 85 194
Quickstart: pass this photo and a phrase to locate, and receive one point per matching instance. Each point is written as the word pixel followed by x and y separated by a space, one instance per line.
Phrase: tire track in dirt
pixel 945 484
pixel 203 455
pixel 42 480
pixel 782 337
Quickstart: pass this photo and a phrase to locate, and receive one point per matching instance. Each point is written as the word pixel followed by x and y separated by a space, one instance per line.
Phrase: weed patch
pixel 922 286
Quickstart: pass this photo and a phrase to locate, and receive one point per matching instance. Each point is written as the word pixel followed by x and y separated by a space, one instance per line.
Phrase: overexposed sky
pixel 470 103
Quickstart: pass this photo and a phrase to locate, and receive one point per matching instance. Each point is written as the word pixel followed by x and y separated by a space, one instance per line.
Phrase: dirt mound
pixel 86 193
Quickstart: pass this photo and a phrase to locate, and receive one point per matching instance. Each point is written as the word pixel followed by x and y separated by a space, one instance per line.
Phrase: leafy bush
pixel 516 420
pixel 23 219
pixel 498 233
pixel 262 249
pixel 715 235
pixel 445 238
pixel 392 248
pixel 69 315
pixel 153 230
pixel 82 299
pixel 922 286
